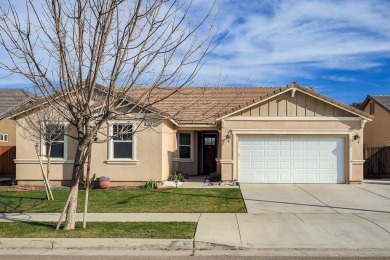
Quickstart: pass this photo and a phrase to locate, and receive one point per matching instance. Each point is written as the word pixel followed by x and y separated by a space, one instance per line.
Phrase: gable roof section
pixel 308 91
pixel 382 100
pixel 10 98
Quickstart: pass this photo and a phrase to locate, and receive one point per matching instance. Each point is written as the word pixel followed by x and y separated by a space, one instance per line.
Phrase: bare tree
pixel 70 49
pixel 45 127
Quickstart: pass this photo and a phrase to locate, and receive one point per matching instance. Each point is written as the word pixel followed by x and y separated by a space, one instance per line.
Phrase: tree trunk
pixel 45 181
pixel 80 157
pixel 87 185
pixel 48 155
pixel 48 172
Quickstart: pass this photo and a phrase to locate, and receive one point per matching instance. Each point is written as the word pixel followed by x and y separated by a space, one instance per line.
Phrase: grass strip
pixel 129 201
pixel 179 230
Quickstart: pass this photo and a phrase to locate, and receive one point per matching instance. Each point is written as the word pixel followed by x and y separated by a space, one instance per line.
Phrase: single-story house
pixel 289 134
pixel 377 133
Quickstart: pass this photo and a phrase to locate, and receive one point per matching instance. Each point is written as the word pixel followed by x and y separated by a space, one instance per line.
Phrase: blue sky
pixel 341 48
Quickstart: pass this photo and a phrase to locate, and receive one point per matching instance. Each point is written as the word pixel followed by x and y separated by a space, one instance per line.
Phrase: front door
pixel 209 153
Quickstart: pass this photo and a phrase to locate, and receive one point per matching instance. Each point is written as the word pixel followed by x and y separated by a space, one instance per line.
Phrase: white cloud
pixel 270 40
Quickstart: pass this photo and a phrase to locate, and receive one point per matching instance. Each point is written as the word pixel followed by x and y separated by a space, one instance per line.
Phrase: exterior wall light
pixel 228 136
pixel 356 137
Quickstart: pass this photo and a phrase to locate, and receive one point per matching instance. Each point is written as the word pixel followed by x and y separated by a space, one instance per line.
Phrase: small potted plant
pixel 214 178
pixel 104 182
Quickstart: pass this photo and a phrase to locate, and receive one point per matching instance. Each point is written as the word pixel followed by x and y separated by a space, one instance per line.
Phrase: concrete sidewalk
pixel 297 231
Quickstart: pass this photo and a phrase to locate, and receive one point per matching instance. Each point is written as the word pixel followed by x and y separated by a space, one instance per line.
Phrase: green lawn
pixel 183 230
pixel 129 200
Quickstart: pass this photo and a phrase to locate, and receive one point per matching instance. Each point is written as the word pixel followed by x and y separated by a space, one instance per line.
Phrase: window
pixel 209 141
pixel 55 134
pixel 122 141
pixel 372 108
pixel 185 145
pixel 3 138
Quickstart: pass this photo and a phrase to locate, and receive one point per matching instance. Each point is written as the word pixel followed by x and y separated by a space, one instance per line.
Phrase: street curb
pixel 203 245
pixel 162 244
pixel 96 243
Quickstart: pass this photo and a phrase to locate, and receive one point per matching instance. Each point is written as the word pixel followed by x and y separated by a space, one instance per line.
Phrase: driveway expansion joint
pixel 239 230
pixel 317 198
pixel 357 215
pixel 370 192
pixel 298 217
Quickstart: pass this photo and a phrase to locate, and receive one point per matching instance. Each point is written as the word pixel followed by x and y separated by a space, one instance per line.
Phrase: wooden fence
pixel 377 161
pixel 7 165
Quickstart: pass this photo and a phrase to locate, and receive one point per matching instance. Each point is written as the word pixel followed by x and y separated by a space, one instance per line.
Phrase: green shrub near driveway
pixel 129 201
pixel 179 230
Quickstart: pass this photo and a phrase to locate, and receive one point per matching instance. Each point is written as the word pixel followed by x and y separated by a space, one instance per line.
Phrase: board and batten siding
pixel 300 105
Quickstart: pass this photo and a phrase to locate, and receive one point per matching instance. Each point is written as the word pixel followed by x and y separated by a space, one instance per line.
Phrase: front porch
pixel 197 152
pixel 198 181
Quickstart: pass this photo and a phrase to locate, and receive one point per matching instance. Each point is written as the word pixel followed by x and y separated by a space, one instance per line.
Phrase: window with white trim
pixel 3 137
pixel 55 133
pixel 185 145
pixel 122 141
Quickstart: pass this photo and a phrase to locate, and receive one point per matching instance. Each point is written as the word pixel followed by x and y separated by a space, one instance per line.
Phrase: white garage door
pixel 291 160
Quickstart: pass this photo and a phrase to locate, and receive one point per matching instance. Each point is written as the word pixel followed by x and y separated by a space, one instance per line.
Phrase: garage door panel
pixel 298 154
pixel 284 153
pixel 258 153
pixel 271 165
pixel 285 177
pixel 291 159
pixel 285 165
pixel 258 165
pixel 272 153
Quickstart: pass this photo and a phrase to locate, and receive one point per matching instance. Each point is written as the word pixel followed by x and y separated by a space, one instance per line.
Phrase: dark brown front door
pixel 209 152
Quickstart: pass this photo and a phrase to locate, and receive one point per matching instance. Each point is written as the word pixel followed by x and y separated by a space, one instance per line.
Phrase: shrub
pixel 92 182
pixel 150 184
pixel 176 176
pixel 214 177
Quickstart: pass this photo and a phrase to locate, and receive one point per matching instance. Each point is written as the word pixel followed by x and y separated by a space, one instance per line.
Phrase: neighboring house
pixel 290 134
pixel 9 98
pixel 377 133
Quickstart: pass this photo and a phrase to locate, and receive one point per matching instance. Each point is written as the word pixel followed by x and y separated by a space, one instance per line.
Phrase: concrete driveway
pixel 316 198
pixel 311 216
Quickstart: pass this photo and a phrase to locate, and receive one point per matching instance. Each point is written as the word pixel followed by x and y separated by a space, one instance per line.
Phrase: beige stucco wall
pixel 169 147
pixel 8 126
pixel 377 132
pixel 336 128
pixel 154 149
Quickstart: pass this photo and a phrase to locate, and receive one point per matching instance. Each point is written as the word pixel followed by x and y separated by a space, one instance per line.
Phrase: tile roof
pixel 10 98
pixel 198 104
pixel 203 105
